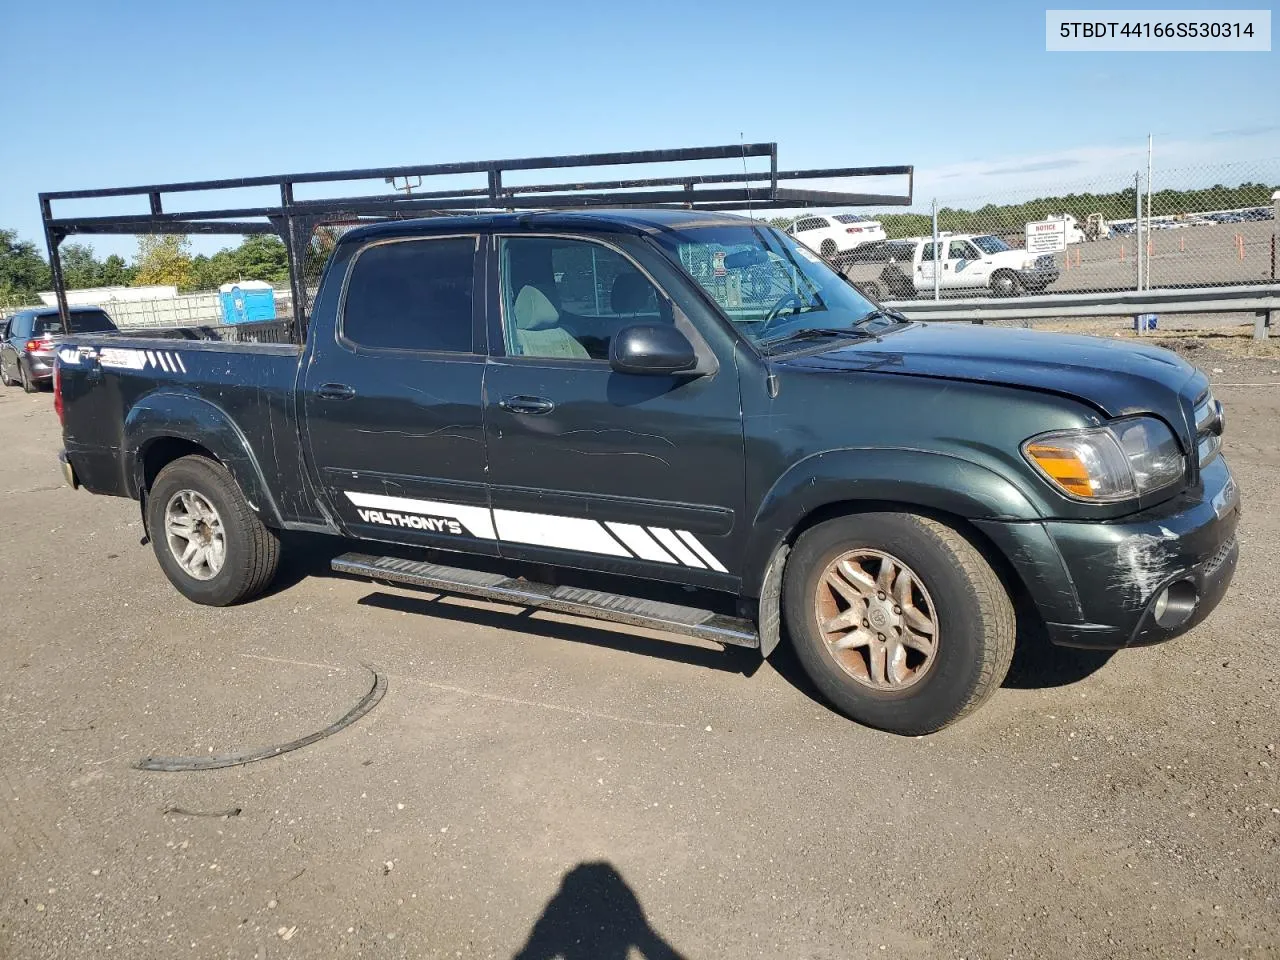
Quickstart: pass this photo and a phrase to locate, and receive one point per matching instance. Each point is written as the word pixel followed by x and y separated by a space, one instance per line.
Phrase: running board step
pixel 654 614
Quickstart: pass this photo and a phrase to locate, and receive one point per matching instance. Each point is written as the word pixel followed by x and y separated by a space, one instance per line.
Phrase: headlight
pixel 1126 459
pixel 1028 264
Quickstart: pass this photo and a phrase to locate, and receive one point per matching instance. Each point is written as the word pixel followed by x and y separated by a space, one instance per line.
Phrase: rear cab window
pixel 413 294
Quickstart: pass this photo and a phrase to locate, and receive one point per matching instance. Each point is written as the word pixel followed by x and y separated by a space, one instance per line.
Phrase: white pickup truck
pixel 961 261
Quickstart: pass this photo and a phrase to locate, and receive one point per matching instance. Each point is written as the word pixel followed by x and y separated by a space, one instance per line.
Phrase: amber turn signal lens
pixel 1063 465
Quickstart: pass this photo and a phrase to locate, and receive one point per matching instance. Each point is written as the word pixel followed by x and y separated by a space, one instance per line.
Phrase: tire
pixel 28 385
pixel 250 552
pixel 828 249
pixel 4 377
pixel 871 290
pixel 973 621
pixel 1006 283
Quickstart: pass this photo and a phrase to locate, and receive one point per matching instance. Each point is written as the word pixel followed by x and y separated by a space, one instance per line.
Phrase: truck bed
pixel 119 390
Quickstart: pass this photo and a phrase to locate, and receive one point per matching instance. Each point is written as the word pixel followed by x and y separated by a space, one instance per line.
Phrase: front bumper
pixel 1099 585
pixel 1038 278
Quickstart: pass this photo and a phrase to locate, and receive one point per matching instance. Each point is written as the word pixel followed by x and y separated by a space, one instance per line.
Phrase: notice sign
pixel 717 263
pixel 1047 236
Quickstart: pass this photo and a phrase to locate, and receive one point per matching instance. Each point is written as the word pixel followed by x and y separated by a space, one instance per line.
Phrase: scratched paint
pixel 1144 561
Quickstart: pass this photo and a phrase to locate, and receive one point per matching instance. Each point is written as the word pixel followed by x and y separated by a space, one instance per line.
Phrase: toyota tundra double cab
pixel 689 398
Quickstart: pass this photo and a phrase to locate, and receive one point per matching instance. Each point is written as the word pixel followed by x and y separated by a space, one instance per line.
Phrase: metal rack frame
pixel 294 220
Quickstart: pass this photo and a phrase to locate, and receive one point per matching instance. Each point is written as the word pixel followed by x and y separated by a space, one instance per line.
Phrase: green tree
pixel 115 272
pixel 164 260
pixel 23 272
pixel 209 273
pixel 262 257
pixel 80 268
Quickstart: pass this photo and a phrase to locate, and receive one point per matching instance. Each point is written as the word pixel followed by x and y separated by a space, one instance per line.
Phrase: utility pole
pixel 1148 211
pixel 937 265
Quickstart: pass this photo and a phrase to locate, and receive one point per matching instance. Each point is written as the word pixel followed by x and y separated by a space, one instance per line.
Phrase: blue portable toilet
pixel 248 301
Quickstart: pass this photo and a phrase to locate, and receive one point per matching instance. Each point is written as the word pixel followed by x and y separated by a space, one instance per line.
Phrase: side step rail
pixel 654 614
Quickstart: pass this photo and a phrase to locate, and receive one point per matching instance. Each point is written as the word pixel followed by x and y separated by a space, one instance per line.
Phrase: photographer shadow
pixel 594 915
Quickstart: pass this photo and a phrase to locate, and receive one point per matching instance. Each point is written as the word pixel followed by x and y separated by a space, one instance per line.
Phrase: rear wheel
pixel 898 620
pixel 28 385
pixel 210 543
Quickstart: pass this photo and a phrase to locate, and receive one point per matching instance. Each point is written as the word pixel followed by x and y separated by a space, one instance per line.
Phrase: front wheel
pixel 210 543
pixel 1006 283
pixel 898 620
pixel 828 249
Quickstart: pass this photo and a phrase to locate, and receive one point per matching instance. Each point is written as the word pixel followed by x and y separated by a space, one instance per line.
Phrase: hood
pixel 1118 378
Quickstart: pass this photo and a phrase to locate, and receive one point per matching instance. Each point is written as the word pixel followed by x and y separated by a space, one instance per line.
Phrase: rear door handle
pixel 335 391
pixel 532 406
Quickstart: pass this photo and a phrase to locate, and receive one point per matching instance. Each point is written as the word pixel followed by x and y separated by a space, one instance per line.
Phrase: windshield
pixel 768 284
pixel 82 321
pixel 991 244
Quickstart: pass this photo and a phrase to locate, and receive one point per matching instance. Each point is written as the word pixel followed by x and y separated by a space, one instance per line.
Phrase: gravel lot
pixel 540 786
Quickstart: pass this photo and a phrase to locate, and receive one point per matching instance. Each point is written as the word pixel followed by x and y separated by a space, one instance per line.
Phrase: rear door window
pixel 413 295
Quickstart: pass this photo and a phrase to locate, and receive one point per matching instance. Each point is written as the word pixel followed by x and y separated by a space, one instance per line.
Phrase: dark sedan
pixel 30 336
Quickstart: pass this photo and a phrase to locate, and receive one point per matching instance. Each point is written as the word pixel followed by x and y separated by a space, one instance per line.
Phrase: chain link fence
pixel 1186 227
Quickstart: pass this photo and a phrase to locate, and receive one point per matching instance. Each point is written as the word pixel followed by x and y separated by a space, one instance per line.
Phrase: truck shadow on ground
pixel 731 660
pixel 1037 664
pixel 594 915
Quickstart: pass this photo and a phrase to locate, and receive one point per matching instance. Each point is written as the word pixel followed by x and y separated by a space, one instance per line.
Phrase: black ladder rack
pixel 294 219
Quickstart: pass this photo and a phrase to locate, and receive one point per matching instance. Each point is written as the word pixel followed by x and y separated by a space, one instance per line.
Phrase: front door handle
pixel 532 406
pixel 335 391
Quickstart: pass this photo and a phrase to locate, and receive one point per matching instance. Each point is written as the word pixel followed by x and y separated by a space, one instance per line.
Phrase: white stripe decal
pixel 151 359
pixel 164 363
pixel 477 520
pixel 567 533
pixel 638 539
pixel 702 551
pixel 177 358
pixel 677 547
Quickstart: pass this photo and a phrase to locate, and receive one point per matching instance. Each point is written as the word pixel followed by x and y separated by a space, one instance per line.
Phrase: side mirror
pixel 651 349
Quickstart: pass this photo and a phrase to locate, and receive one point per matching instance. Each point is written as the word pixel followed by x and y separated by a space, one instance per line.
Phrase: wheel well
pixel 991 553
pixel 163 451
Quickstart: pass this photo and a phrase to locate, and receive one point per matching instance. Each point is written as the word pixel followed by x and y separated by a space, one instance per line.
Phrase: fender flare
pixel 165 415
pixel 920 478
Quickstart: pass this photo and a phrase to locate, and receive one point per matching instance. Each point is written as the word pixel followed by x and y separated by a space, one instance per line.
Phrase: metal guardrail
pixel 1260 299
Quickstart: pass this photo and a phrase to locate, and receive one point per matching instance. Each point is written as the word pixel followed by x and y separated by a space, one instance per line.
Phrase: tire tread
pixel 263 545
pixel 975 577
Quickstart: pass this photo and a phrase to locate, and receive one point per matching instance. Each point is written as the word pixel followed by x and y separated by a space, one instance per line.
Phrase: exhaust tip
pixel 1175 604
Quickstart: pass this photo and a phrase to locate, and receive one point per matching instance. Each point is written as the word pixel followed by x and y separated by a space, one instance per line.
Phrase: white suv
pixel 830 235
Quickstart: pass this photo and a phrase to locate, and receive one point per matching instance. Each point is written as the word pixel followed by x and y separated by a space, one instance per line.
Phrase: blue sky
pixel 106 95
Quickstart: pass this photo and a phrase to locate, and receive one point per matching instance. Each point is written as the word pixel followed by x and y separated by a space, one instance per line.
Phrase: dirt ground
pixel 537 786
